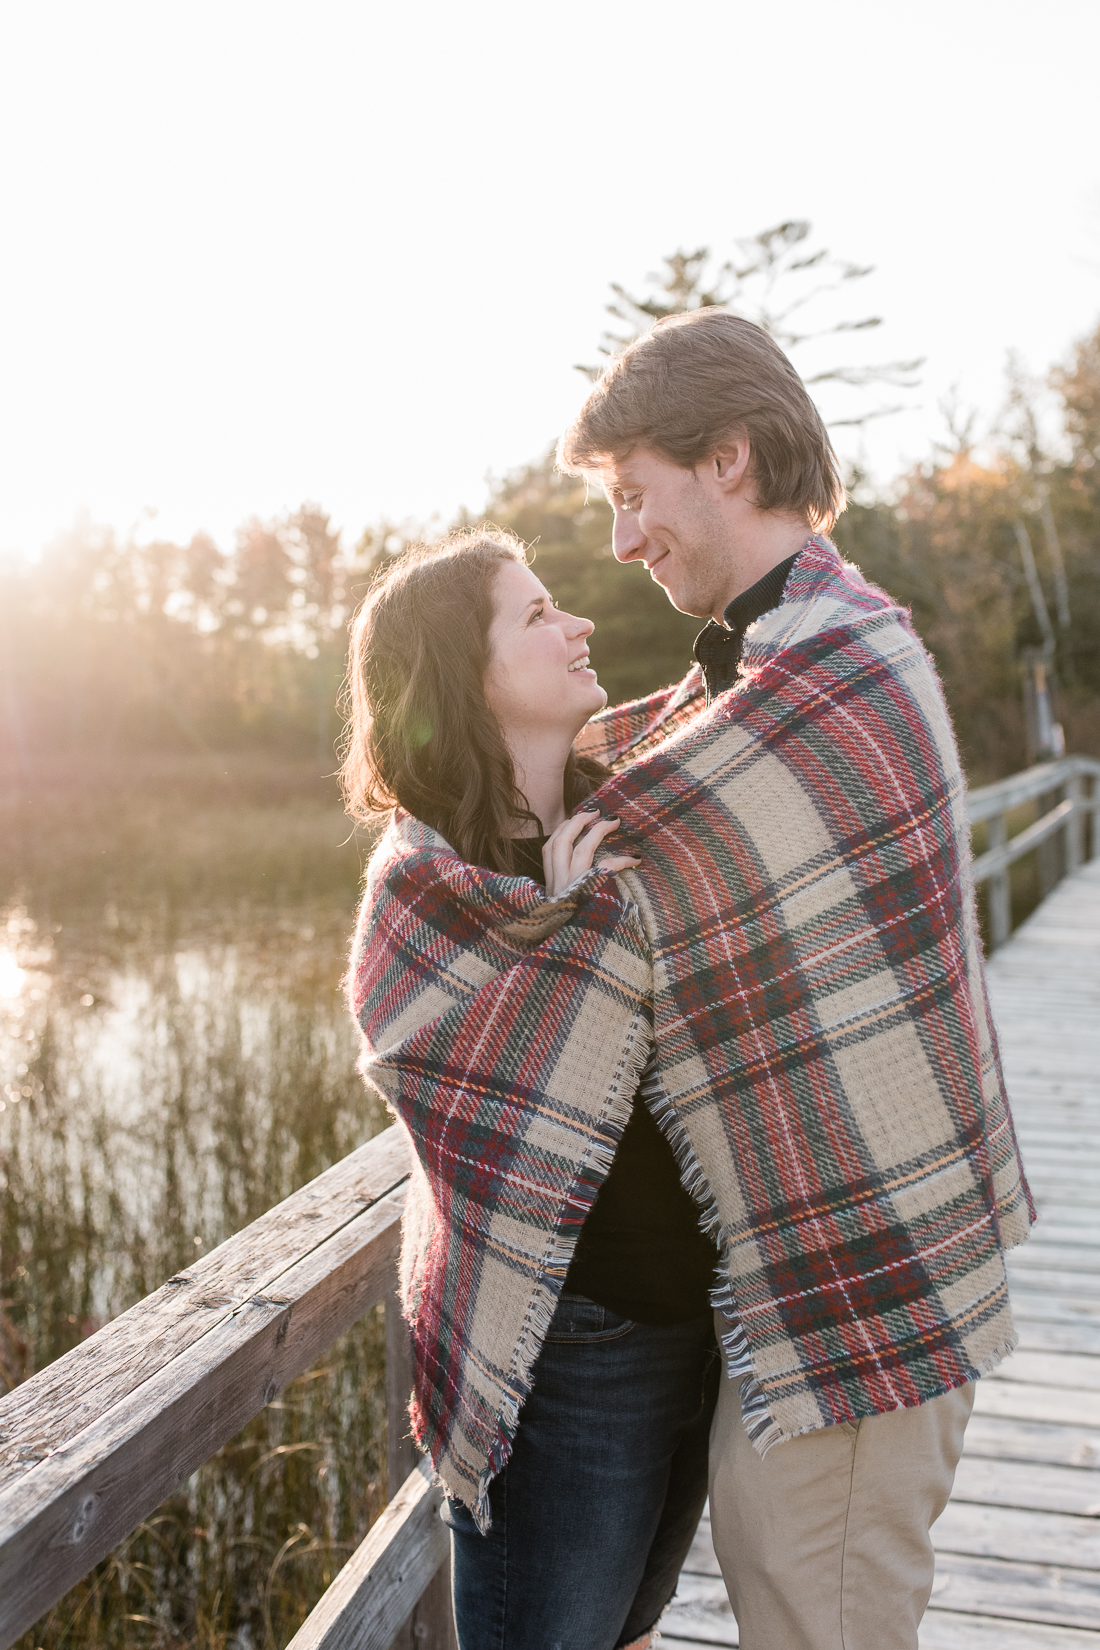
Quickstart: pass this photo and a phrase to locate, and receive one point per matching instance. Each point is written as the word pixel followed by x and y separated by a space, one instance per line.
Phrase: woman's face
pixel 539 680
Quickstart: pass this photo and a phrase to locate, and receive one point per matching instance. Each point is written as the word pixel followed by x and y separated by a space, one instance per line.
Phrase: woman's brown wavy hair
pixel 420 733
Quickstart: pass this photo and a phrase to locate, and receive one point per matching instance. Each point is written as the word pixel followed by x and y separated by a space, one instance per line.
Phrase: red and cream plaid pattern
pixel 508 1034
pixel 827 1064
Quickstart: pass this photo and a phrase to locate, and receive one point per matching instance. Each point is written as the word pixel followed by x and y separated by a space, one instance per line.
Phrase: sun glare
pixel 11 975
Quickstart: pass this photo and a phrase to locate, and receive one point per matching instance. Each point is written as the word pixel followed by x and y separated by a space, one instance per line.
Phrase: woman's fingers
pixel 570 829
pixel 620 862
pixel 569 851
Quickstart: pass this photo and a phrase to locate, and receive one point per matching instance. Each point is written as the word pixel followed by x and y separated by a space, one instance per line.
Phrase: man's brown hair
pixel 692 382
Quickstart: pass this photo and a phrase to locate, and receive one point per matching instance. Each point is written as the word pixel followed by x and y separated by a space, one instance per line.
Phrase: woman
pixel 554 1273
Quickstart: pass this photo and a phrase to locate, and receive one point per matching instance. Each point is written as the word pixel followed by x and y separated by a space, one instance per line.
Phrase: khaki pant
pixel 824 1541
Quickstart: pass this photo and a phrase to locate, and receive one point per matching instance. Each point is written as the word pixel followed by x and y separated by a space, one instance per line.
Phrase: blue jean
pixel 596 1509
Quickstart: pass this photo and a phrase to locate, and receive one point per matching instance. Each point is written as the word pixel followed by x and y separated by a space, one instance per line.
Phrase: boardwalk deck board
pixel 1018 1548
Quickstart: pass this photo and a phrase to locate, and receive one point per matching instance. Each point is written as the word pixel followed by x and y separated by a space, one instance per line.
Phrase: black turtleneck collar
pixel 718 646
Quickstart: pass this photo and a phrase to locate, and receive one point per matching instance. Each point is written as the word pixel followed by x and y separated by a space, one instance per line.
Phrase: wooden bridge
pixel 1018 1548
pixel 91 1445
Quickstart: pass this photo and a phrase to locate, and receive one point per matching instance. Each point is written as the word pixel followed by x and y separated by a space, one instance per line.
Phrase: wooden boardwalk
pixel 1018 1548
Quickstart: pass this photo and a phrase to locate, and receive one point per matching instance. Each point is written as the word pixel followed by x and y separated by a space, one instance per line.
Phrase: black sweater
pixel 641 1251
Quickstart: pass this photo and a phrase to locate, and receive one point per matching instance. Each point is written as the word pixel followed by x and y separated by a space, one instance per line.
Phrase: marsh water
pixel 175 1057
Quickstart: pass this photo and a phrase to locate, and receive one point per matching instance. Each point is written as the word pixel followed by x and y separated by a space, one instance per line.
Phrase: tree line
pixel 114 646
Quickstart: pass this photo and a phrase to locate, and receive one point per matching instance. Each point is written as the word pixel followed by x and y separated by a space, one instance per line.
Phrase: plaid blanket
pixel 826 1061
pixel 508 1033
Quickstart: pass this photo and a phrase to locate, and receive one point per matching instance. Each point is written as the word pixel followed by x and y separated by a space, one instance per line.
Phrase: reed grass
pixel 175 1059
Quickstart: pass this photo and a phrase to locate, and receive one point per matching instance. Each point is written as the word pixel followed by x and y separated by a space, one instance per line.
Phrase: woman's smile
pixel 530 642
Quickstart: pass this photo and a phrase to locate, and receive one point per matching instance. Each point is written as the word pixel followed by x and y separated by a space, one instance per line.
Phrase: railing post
pixel 431 1624
pixel 1075 824
pixel 400 1449
pixel 1000 894
pixel 1050 870
pixel 1091 831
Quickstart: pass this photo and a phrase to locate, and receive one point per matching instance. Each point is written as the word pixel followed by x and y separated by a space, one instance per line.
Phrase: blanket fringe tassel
pixel 636 1058
pixel 763 1432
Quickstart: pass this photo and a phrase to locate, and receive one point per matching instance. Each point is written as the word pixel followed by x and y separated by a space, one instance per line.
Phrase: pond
pixel 175 1057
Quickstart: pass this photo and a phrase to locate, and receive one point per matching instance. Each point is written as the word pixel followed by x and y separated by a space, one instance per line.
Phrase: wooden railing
pixel 91 1445
pixel 95 1442
pixel 1065 806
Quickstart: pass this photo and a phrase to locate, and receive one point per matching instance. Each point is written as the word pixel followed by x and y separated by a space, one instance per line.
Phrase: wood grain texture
pixel 430 1625
pixel 115 1461
pixel 1026 1402
pixel 1029 1485
pixel 1046 1593
pixel 385 1576
pixel 66 1396
pixel 946 1630
pixel 1018 1533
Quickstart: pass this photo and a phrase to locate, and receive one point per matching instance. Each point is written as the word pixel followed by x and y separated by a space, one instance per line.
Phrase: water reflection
pixel 158 1100
pixel 168 1071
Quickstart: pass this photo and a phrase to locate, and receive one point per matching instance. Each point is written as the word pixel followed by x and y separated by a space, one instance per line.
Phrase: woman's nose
pixel 577 626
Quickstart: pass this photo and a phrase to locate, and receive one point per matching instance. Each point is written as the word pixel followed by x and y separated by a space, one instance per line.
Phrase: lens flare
pixel 11 975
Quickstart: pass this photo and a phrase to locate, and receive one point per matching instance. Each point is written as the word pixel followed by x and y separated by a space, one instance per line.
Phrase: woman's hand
pixel 569 851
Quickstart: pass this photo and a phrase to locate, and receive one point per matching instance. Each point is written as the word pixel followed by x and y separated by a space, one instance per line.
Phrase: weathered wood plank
pixel 1041 1335
pixel 1009 1532
pixel 1075 1134
pixel 1074 1218
pixel 1036 1306
pixel 385 1576
pixel 1051 1369
pixel 62 1515
pixel 1046 1256
pixel 1026 1485
pixel 1082 1233
pixel 1029 1487
pixel 944 1630
pixel 430 1626
pixel 700 1613
pixel 1030 1592
pixel 701 1558
pixel 1018 1547
pixel 1078 1286
pixel 1004 1438
pixel 53 1405
pixel 1034 1593
pixel 1026 1402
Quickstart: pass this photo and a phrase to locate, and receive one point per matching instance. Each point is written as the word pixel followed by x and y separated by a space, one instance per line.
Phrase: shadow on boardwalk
pixel 1018 1548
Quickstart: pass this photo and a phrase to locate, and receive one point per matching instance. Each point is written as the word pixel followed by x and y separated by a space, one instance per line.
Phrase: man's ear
pixel 729 466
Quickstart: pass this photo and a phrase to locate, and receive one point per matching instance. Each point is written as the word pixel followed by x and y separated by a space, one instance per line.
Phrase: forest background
pixel 114 648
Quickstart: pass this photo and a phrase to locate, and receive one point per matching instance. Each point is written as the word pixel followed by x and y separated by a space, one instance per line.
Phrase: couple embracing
pixel 681 1005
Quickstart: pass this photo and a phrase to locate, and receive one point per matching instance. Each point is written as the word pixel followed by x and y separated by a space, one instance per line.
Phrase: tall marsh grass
pixel 175 1057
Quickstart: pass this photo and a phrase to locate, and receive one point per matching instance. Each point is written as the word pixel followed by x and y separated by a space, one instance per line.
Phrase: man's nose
pixel 627 539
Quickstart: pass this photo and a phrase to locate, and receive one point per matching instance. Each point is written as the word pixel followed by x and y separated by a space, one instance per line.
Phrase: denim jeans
pixel 596 1509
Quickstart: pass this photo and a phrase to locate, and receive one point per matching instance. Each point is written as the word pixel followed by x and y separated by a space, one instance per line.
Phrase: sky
pixel 255 252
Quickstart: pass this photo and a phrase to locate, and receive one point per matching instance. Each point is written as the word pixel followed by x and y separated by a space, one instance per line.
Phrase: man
pixel 824 1045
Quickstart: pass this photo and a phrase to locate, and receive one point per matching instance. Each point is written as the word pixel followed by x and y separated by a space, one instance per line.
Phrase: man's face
pixel 673 520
